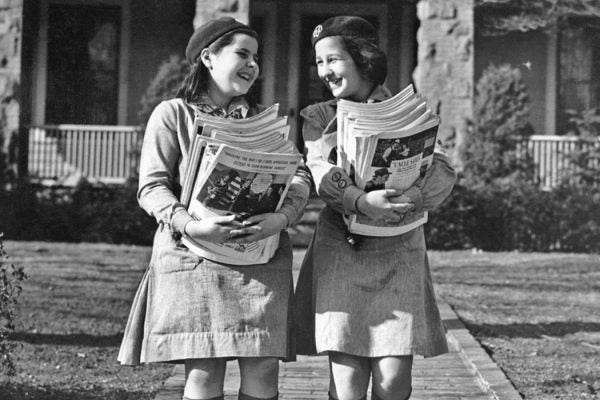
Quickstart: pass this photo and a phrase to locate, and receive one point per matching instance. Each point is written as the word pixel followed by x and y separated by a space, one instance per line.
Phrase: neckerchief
pixel 237 108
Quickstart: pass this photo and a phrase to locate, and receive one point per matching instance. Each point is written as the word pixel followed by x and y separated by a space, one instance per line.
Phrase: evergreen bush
pixel 11 280
pixel 499 124
pixel 163 86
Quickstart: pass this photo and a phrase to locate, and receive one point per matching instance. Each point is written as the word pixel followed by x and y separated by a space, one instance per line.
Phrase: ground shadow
pixel 79 339
pixel 16 391
pixel 532 331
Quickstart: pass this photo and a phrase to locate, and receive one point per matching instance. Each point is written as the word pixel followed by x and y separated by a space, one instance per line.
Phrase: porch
pixel 62 154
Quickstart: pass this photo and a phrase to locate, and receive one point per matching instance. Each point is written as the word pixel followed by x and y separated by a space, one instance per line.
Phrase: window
pixel 83 64
pixel 579 68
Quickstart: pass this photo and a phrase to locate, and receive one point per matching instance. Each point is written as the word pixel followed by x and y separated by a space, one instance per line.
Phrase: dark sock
pixel 374 395
pixel 244 396
pixel 221 397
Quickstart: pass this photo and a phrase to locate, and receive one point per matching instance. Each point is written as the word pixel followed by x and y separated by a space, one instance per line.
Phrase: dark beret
pixel 207 33
pixel 348 26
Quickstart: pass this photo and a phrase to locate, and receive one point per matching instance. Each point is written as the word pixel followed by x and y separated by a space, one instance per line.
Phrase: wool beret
pixel 207 33
pixel 349 26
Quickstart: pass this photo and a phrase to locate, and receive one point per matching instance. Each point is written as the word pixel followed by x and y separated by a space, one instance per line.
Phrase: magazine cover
pixel 397 162
pixel 243 183
pixel 386 145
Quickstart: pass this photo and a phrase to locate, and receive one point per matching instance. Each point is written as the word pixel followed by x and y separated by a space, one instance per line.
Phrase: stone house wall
pixel 10 76
pixel 445 64
pixel 209 9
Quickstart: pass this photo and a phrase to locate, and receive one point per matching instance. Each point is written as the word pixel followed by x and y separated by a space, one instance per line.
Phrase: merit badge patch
pixel 317 31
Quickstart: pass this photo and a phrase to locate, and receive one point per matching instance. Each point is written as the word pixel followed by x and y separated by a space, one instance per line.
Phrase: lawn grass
pixel 538 315
pixel 71 316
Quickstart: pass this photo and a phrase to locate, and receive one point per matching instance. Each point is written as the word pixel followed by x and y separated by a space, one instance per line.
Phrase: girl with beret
pixel 367 302
pixel 193 310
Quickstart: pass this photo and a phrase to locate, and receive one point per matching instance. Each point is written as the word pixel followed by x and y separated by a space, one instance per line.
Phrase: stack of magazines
pixel 239 167
pixel 386 145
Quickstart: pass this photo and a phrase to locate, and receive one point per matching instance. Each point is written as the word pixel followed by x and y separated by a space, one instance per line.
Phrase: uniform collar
pixel 237 108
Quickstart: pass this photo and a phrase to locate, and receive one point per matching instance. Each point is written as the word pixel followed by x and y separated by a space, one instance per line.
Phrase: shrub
pixel 10 289
pixel 517 216
pixel 163 86
pixel 585 160
pixel 92 213
pixel 500 122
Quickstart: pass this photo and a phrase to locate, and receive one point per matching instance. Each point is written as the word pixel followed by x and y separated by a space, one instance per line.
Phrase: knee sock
pixel 244 396
pixel 374 395
pixel 221 397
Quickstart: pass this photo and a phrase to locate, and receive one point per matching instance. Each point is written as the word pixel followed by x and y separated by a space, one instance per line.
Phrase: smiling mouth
pixel 333 81
pixel 245 76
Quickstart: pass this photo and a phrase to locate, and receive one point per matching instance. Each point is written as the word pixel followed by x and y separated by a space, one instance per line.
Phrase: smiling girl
pixel 189 309
pixel 366 302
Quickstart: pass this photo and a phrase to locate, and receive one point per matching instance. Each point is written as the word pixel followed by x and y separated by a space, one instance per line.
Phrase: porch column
pixel 10 80
pixel 209 9
pixel 445 64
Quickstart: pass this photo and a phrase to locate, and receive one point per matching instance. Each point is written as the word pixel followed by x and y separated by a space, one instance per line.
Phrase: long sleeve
pixel 162 155
pixel 430 191
pixel 163 160
pixel 332 183
pixel 297 195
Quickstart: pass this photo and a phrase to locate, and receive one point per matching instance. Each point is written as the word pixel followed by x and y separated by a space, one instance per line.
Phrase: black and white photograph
pixel 299 199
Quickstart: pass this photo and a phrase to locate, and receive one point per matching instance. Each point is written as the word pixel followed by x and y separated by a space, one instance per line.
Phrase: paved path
pixel 466 373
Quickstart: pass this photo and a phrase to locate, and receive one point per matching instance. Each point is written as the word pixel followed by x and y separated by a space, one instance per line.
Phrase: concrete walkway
pixel 467 372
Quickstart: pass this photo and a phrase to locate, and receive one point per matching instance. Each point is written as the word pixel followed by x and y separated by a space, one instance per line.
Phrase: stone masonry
pixel 209 9
pixel 10 76
pixel 445 65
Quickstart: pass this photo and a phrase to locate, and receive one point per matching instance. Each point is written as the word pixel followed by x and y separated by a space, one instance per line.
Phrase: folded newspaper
pixel 238 167
pixel 386 145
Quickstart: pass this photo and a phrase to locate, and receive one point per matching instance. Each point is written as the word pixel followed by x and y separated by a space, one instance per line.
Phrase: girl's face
pixel 233 69
pixel 339 71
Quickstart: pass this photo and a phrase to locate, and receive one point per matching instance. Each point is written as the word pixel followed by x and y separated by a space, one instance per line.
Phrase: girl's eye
pixel 242 54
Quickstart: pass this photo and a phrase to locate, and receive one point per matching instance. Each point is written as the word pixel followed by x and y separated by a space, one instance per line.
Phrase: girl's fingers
pixel 234 233
pixel 403 207
pixel 392 192
pixel 224 219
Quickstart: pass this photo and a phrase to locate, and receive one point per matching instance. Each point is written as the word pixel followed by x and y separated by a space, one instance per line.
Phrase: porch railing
pixel 550 156
pixel 63 153
pixel 110 154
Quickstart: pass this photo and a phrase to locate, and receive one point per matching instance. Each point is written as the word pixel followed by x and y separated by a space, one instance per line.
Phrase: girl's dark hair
pixel 369 58
pixel 197 79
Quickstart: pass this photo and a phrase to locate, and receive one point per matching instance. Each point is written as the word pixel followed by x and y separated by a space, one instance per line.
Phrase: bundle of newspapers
pixel 386 145
pixel 239 167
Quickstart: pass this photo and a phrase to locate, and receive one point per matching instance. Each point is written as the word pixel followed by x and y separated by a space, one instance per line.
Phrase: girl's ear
pixel 205 58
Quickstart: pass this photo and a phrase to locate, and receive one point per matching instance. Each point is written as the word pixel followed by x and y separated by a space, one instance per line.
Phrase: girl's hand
pixel 259 227
pixel 385 204
pixel 215 229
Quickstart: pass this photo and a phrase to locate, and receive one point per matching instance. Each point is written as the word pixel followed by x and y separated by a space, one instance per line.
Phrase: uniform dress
pixel 375 298
pixel 187 307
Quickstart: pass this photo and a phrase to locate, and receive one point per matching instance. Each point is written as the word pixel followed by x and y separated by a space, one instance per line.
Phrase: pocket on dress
pixel 171 255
